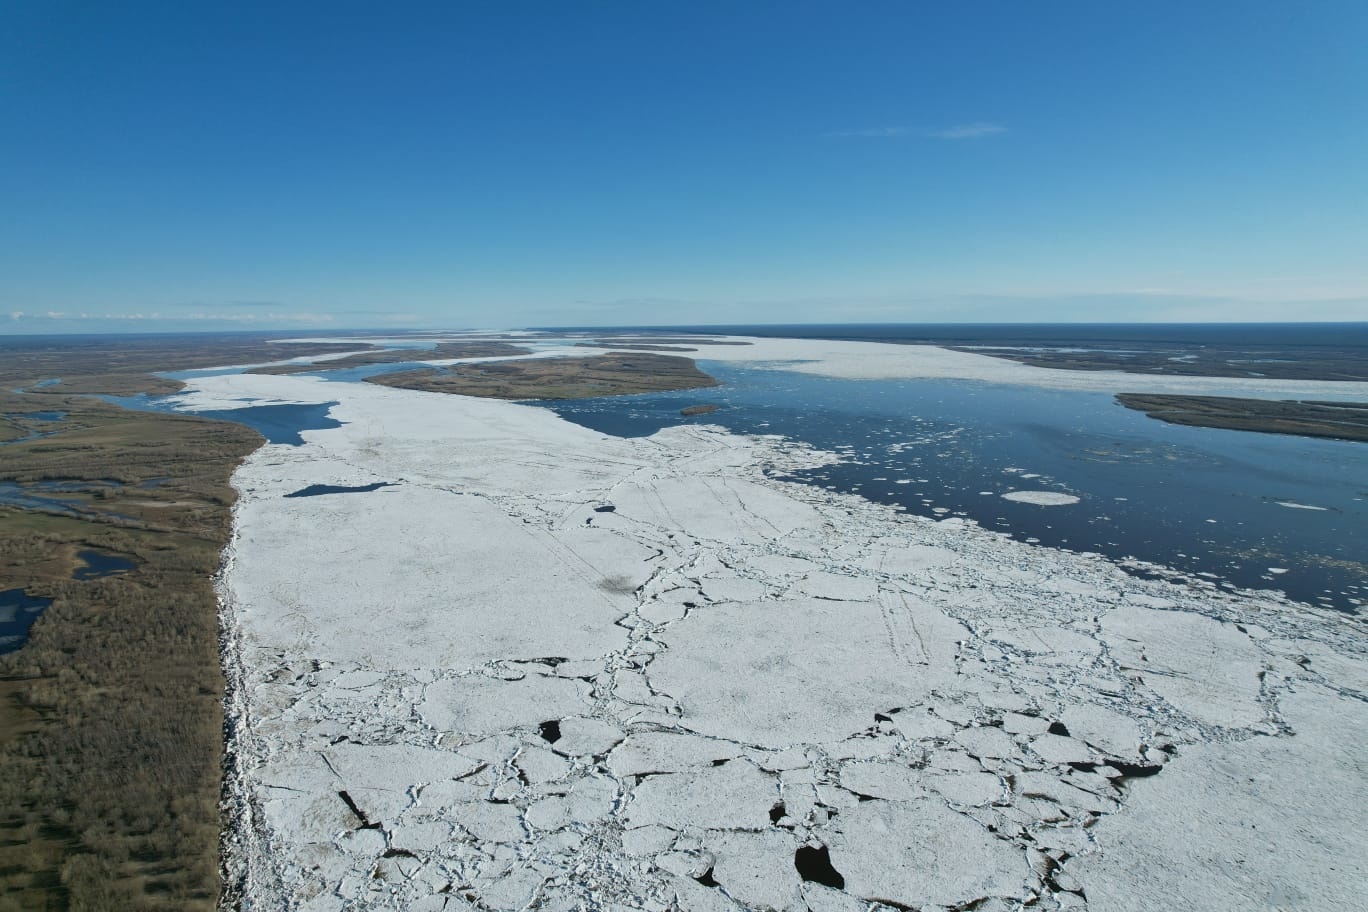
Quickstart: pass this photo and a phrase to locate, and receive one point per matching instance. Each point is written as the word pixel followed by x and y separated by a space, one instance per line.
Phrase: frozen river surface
pixel 476 687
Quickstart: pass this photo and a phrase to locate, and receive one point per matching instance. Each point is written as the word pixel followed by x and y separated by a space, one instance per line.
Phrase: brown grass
pixel 111 715
pixel 612 374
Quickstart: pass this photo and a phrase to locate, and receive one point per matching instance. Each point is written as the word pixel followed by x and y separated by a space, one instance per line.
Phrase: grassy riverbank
pixel 111 719
pixel 1335 420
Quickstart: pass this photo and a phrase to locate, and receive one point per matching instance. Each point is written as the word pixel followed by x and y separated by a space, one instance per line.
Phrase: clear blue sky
pixel 196 165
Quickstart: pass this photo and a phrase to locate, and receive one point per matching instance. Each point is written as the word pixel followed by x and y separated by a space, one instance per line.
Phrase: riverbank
pixel 111 722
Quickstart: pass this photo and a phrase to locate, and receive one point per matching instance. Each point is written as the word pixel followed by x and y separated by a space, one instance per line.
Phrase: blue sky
pixel 192 165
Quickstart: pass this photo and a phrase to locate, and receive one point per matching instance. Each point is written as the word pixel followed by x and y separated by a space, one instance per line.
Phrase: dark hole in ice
pixel 706 878
pixel 880 717
pixel 315 489
pixel 1135 770
pixel 606 508
pixel 777 812
pixel 550 731
pixel 1059 728
pixel 1083 766
pixel 360 814
pixel 719 762
pixel 397 853
pixel 814 864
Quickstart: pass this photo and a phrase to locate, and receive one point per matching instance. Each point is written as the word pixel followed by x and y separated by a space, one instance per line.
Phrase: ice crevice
pixel 733 691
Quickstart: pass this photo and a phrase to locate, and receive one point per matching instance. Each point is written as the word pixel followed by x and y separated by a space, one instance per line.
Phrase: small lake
pixel 99 564
pixel 18 611
pixel 1244 509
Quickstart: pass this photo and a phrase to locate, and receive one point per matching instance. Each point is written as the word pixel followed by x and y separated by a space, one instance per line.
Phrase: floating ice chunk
pixel 1293 505
pixel 656 752
pixel 881 780
pixel 971 789
pixel 581 737
pixel 779 673
pixel 757 868
pixel 1041 498
pixel 734 795
pixel 1207 669
pixel 479 705
pixel 919 853
pixel 1104 729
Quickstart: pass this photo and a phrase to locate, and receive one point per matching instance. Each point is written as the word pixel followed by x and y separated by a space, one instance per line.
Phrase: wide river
pixel 1229 507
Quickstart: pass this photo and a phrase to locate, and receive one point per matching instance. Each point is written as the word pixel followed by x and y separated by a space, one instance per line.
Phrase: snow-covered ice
pixel 473 690
pixel 1042 498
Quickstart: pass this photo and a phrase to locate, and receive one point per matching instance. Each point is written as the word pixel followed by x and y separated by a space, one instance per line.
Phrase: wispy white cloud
pixel 202 317
pixel 976 130
pixel 871 133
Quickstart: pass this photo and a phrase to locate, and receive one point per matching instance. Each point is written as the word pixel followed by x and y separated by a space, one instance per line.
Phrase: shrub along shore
pixel 111 715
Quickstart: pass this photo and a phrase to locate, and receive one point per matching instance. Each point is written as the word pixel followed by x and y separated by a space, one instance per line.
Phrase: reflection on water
pixel 18 611
pixel 1211 503
pixel 99 564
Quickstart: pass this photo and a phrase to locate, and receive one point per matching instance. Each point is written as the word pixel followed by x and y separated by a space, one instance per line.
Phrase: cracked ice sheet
pixel 524 701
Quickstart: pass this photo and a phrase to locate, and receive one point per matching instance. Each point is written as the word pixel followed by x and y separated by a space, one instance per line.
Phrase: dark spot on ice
pixel 706 879
pixel 397 853
pixel 315 489
pixel 880 717
pixel 690 604
pixel 606 508
pixel 1083 766
pixel 550 731
pixel 1135 770
pixel 777 812
pixel 1059 728
pixel 360 814
pixel 720 762
pixel 814 864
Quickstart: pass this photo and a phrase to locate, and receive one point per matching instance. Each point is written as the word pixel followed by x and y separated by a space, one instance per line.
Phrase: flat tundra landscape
pixel 531 666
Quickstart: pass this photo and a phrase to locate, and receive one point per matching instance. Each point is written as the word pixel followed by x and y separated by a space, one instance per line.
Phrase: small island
pixel 611 374
pixel 692 410
pixel 1334 420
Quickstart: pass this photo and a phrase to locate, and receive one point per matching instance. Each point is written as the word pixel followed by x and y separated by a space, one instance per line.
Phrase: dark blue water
pixel 99 564
pixel 18 611
pixel 38 416
pixel 277 423
pixel 317 489
pixel 1200 500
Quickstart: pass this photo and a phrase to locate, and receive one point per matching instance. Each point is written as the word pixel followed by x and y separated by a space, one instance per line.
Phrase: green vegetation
pixel 1337 420
pixel 111 720
pixel 612 374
